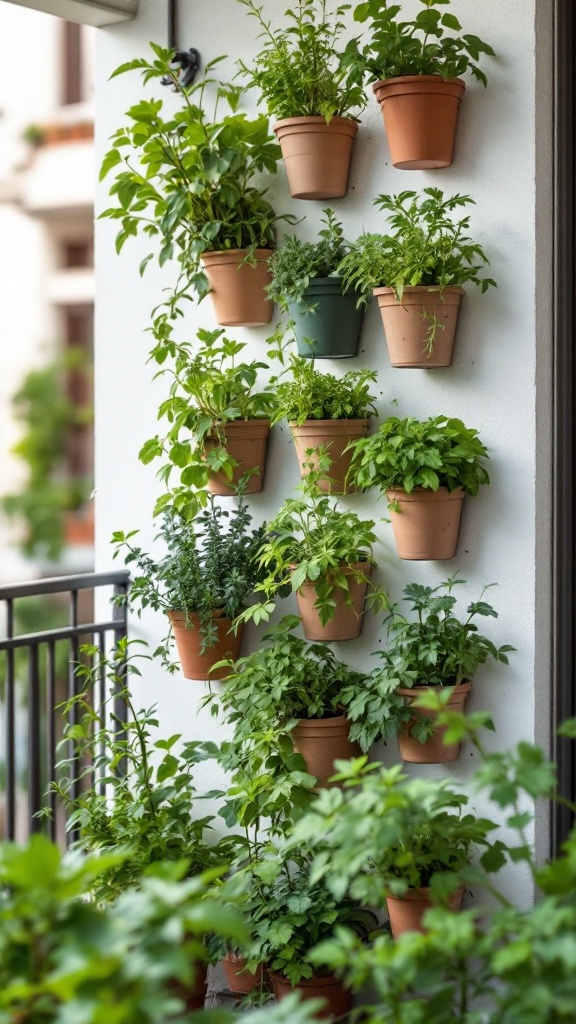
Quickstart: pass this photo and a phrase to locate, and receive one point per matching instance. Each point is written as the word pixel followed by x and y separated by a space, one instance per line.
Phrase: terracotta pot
pixel 433 750
pixel 247 442
pixel 407 325
pixel 194 664
pixel 238 289
pixel 427 526
pixel 239 980
pixel 406 912
pixel 346 624
pixel 193 996
pixel 335 435
pixel 327 322
pixel 79 527
pixel 420 116
pixel 317 155
pixel 338 999
pixel 321 741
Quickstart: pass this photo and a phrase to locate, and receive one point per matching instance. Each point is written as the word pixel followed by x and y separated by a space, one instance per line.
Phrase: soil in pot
pixel 238 289
pixel 428 523
pixel 337 998
pixel 433 750
pixel 346 624
pixel 321 741
pixel 420 116
pixel 196 665
pixel 335 436
pixel 327 323
pixel 316 155
pixel 407 325
pixel 246 441
pixel 239 980
pixel 406 912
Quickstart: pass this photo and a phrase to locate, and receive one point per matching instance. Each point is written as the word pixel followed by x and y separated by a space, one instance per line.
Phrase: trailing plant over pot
pixel 211 567
pixel 303 80
pixel 195 192
pixel 219 421
pixel 425 468
pixel 417 64
pixel 417 272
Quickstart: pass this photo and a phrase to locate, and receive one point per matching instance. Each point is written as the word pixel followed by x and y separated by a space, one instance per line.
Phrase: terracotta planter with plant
pixel 347 612
pixel 316 155
pixel 337 998
pixel 197 659
pixel 333 437
pixel 420 116
pixel 426 524
pixel 238 287
pixel 246 443
pixel 432 750
pixel 406 912
pixel 239 979
pixel 321 742
pixel 407 325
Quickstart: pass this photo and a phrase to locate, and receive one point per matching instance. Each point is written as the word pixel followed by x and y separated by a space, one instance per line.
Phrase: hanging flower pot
pixel 427 524
pixel 346 623
pixel 338 999
pixel 197 665
pixel 335 436
pixel 239 980
pixel 420 330
pixel 433 750
pixel 420 116
pixel 327 322
pixel 246 441
pixel 321 741
pixel 406 912
pixel 317 155
pixel 238 289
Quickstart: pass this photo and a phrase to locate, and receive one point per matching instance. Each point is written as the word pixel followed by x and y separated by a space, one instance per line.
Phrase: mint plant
pixel 295 264
pixel 310 395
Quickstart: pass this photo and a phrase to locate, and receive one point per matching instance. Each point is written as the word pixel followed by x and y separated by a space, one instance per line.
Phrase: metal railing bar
pixel 34 751
pixel 51 717
pixel 64 584
pixel 64 633
pixel 10 731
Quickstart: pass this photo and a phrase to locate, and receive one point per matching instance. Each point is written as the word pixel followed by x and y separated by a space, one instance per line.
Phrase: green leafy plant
pixel 299 72
pixel 296 263
pixel 409 453
pixel 310 395
pixel 424 45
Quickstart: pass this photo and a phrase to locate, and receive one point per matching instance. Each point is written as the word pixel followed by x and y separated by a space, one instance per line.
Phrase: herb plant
pixel 410 453
pixel 299 72
pixel 310 395
pixel 424 45
pixel 296 263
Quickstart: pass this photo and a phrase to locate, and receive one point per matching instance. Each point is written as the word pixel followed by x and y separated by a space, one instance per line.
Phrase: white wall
pixel 491 384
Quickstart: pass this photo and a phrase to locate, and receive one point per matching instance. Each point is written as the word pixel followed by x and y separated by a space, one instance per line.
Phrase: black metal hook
pixel 189 60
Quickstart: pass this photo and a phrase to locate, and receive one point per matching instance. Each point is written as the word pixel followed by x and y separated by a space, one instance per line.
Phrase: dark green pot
pixel 333 327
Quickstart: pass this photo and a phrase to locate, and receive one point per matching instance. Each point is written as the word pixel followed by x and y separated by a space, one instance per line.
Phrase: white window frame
pixel 87 12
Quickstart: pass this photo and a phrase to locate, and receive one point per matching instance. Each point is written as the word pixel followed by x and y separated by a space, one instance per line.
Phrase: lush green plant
pixel 310 395
pixel 299 71
pixel 409 453
pixel 296 263
pixel 194 189
pixel 212 564
pixel 424 45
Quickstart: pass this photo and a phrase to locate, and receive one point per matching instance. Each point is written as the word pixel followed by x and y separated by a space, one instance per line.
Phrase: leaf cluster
pixel 300 71
pixel 410 453
pixel 296 263
pixel 310 395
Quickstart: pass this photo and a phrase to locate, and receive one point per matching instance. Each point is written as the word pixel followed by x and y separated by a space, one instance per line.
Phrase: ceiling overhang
pixel 88 12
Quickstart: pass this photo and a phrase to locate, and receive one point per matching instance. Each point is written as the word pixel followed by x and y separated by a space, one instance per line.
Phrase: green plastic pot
pixel 333 327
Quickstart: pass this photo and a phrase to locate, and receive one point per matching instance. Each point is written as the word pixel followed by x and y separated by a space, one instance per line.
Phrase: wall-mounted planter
pixel 246 441
pixel 327 323
pixel 433 750
pixel 321 741
pixel 406 912
pixel 407 325
pixel 346 623
pixel 420 116
pixel 197 665
pixel 335 436
pixel 193 996
pixel 428 523
pixel 239 980
pixel 338 1000
pixel 317 155
pixel 238 289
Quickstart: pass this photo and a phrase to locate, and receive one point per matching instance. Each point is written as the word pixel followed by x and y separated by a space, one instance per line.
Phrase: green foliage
pixel 310 395
pixel 300 72
pixel 424 45
pixel 194 189
pixel 409 453
pixel 296 263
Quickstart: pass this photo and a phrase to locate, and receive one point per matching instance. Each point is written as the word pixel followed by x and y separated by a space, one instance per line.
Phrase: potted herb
pixel 417 64
pixel 325 413
pixel 202 582
pixel 301 77
pixel 426 468
pixel 435 653
pixel 327 322
pixel 195 191
pixel 417 272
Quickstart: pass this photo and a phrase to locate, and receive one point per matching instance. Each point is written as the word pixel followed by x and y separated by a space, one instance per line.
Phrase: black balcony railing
pixel 37 674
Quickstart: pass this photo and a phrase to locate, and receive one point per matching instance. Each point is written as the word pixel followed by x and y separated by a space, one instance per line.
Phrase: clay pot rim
pixel 316 979
pixel 426 494
pixel 337 719
pixel 324 424
pixel 180 613
pixel 345 567
pixel 422 894
pixel 419 289
pixel 241 424
pixel 318 122
pixel 382 83
pixel 408 691
pixel 212 255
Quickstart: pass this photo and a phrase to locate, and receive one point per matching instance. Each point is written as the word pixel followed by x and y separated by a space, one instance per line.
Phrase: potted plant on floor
pixel 327 322
pixel 301 77
pixel 196 193
pixel 325 413
pixel 202 583
pixel 417 273
pixel 415 67
pixel 435 654
pixel 219 420
pixel 425 468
